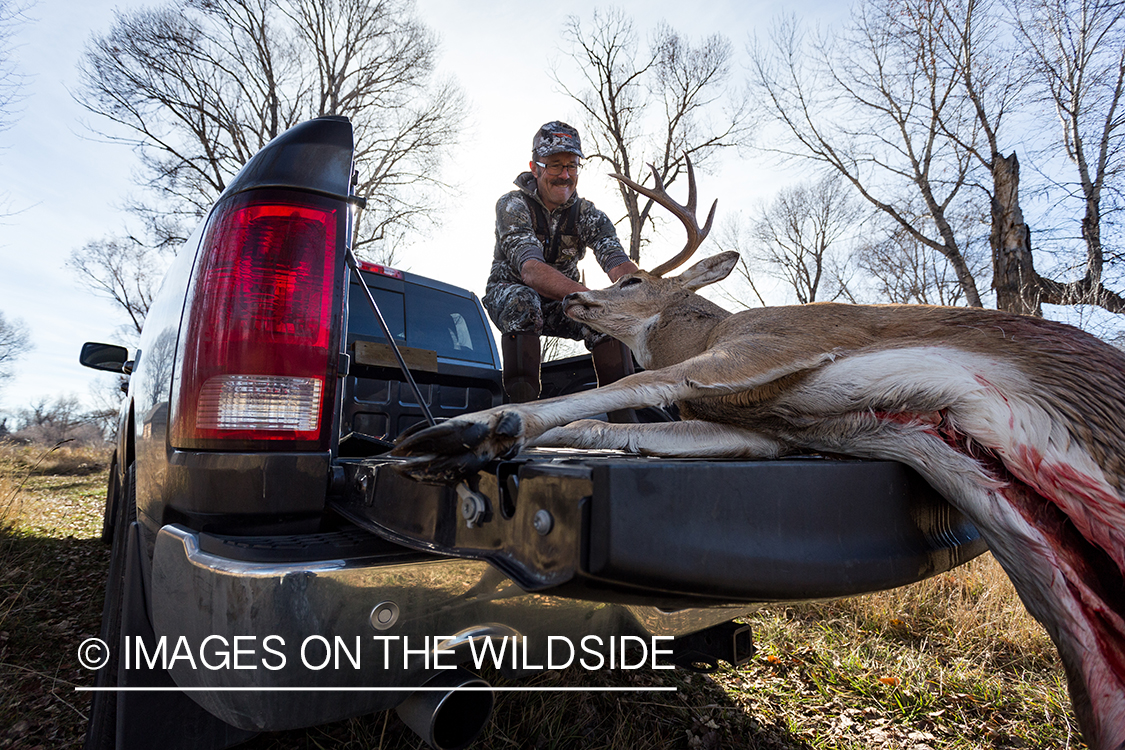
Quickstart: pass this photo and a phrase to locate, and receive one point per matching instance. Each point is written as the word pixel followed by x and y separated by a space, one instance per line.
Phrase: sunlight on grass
pixel 27 469
pixel 951 662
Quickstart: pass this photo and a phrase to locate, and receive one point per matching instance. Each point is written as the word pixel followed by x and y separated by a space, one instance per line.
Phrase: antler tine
pixel 686 214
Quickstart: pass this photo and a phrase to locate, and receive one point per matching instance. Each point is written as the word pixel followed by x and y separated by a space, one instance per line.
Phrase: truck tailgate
pixel 613 527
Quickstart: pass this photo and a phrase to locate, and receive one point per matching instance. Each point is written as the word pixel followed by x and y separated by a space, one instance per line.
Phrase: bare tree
pixel 11 80
pixel 1076 52
pixel 935 87
pixel 977 55
pixel 873 104
pixel 1076 58
pixel 902 270
pixel 560 348
pixel 52 422
pixel 734 235
pixel 14 343
pixel 121 269
pixel 797 235
pixel 196 87
pixel 104 395
pixel 623 86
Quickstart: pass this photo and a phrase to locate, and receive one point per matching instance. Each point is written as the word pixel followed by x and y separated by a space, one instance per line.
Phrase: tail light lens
pixel 258 347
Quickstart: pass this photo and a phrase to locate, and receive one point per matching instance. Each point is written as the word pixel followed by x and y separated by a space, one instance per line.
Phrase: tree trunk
pixel 636 226
pixel 1013 269
pixel 1092 235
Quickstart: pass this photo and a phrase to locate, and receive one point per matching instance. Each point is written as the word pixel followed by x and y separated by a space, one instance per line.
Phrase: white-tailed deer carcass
pixel 1018 421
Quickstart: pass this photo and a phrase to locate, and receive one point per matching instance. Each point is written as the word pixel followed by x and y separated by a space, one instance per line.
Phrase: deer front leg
pixel 459 447
pixel 453 450
pixel 693 438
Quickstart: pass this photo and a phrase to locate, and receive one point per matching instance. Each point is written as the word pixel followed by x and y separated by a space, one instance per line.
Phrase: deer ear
pixel 708 271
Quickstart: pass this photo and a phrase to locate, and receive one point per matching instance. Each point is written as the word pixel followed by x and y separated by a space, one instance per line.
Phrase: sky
pixel 60 190
pixel 65 187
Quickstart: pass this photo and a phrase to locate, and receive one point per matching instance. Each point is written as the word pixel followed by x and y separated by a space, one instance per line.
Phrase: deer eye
pixel 630 282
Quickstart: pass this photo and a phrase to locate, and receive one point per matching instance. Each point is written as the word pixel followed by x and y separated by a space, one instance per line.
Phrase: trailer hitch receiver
pixel 731 642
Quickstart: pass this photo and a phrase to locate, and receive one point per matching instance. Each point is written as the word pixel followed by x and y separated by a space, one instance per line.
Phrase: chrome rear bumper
pixel 275 638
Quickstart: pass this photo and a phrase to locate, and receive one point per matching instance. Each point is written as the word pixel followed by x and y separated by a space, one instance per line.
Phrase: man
pixel 542 231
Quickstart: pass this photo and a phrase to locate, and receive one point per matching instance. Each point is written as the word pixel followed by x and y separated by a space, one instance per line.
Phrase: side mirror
pixel 106 357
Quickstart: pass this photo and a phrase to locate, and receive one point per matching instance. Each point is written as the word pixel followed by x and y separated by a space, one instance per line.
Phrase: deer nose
pixel 573 296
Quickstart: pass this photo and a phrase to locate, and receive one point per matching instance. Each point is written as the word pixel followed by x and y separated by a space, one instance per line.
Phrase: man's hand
pixel 621 269
pixel 547 281
pixel 544 279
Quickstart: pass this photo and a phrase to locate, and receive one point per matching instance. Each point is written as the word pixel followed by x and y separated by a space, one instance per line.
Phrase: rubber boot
pixel 613 361
pixel 521 366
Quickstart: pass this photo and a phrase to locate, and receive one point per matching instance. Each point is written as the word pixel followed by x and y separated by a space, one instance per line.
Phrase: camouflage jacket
pixel 516 242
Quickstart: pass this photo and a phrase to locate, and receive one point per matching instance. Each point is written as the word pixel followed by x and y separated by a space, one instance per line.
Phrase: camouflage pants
pixel 516 308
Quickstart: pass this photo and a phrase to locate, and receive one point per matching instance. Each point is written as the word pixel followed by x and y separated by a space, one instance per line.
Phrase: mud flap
pixel 167 719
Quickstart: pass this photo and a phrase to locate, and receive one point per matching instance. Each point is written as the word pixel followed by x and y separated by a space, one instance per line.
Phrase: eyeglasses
pixel 555 169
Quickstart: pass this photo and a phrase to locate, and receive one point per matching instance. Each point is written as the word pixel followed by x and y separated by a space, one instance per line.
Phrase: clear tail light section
pixel 258 346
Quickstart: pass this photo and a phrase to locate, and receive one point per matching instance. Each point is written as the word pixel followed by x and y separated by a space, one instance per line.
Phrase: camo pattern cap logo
pixel 556 138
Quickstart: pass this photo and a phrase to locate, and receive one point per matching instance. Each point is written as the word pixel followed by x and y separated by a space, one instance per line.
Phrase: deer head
pixel 649 313
pixel 662 321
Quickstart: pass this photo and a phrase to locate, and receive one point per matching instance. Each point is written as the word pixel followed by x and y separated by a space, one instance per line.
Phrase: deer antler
pixel 686 214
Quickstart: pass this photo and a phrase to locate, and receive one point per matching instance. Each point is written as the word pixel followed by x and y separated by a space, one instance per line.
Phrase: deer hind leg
pixel 692 438
pixel 452 450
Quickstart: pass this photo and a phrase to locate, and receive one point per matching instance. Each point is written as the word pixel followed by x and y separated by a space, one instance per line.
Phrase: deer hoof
pixel 451 451
pixel 445 438
pixel 445 470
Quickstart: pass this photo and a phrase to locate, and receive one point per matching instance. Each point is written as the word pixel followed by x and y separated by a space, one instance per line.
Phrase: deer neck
pixel 681 331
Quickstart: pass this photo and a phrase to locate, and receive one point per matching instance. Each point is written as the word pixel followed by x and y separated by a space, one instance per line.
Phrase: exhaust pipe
pixel 448 719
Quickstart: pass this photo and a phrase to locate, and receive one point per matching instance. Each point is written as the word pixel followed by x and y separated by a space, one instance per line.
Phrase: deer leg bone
pixel 693 438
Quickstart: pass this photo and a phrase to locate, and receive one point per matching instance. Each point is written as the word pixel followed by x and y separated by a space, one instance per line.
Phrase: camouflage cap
pixel 556 138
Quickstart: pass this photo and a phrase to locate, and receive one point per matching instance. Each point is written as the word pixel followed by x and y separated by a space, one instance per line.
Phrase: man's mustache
pixel 560 183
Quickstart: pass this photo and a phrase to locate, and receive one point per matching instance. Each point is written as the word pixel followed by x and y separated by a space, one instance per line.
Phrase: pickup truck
pixel 272 570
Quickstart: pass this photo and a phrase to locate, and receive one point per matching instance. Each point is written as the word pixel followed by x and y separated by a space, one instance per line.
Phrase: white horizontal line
pixel 469 688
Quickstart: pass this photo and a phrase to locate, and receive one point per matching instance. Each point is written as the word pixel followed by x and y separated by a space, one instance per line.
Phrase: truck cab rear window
pixel 361 318
pixel 423 318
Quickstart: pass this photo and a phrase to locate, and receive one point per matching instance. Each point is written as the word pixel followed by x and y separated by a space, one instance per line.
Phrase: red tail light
pixel 257 352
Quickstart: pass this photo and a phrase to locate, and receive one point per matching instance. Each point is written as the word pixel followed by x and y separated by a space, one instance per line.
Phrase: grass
pixel 950 663
pixel 52 570
pixel 953 662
